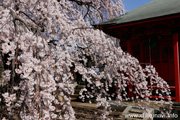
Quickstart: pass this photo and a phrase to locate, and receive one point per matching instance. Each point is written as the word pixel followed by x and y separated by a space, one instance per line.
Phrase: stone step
pixel 77 91
pixel 130 116
pixel 74 97
pixel 80 86
pixel 135 113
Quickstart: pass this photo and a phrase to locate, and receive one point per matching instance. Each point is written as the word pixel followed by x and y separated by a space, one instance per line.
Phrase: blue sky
pixel 132 4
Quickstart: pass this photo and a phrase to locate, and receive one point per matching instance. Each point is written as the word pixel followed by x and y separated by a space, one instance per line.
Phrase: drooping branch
pixel 45 76
pixel 41 26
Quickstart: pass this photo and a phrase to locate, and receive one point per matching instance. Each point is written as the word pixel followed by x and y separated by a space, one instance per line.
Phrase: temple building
pixel 151 33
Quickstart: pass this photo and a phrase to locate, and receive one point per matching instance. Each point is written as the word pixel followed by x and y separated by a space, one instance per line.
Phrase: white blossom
pixel 49 42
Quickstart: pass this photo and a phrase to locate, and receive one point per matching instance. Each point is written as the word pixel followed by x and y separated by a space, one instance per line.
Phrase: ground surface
pixel 86 111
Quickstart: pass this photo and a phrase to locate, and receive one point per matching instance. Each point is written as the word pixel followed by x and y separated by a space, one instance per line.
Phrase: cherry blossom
pixel 45 42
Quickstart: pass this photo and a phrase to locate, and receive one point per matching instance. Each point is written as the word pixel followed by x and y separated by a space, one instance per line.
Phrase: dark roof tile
pixel 154 9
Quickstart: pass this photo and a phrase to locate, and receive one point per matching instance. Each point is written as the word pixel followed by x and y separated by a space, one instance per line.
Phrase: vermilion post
pixel 176 66
pixel 130 87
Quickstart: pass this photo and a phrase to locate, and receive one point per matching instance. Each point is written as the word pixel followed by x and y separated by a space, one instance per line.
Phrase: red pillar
pixel 130 87
pixel 176 66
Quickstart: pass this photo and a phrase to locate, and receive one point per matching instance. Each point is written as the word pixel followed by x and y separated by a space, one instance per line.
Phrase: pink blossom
pixel 52 40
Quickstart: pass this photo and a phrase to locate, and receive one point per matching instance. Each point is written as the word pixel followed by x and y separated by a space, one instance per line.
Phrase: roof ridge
pixel 153 9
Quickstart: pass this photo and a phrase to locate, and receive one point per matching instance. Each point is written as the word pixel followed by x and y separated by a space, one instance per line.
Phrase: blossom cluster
pixel 43 43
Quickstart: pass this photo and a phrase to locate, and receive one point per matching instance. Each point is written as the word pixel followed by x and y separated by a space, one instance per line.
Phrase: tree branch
pixel 32 20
